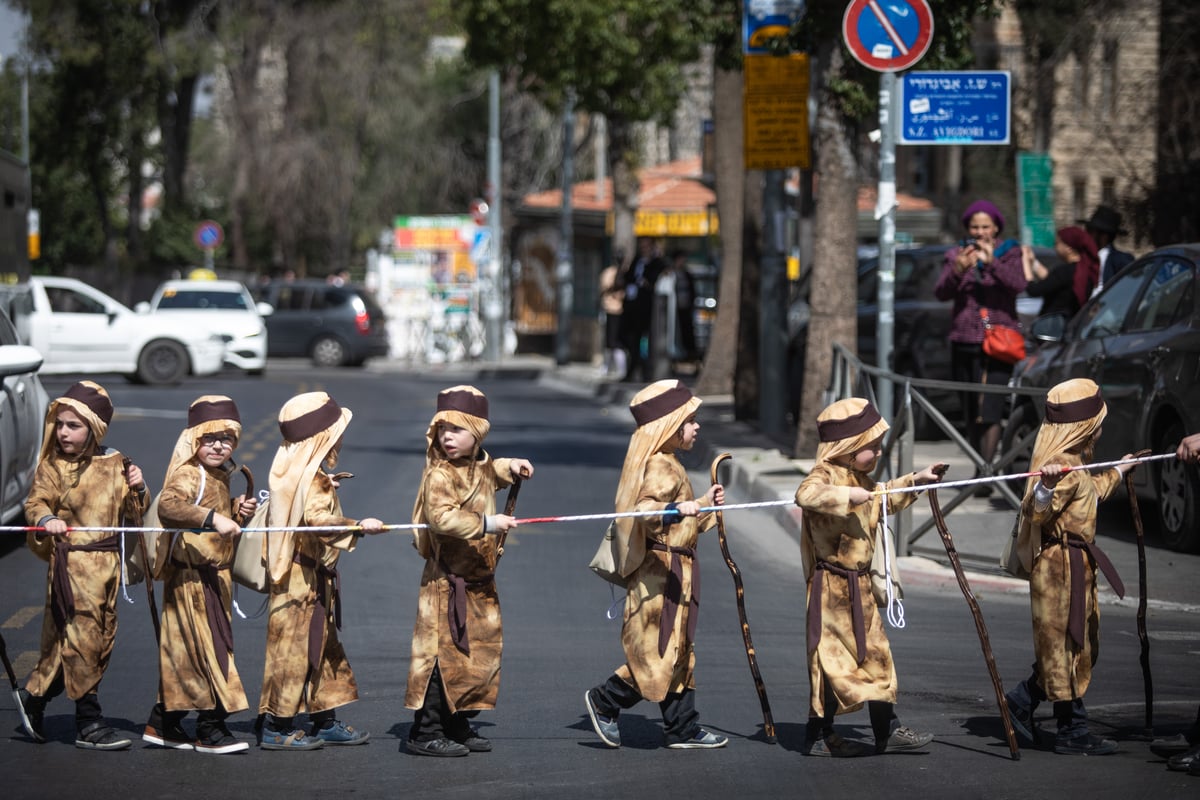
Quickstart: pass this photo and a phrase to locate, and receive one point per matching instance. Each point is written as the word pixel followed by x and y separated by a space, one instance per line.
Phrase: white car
pixel 222 307
pixel 23 404
pixel 78 329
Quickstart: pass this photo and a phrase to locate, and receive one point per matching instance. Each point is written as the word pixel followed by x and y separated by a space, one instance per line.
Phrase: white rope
pixel 895 606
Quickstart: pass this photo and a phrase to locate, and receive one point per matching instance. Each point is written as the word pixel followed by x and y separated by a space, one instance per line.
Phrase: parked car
pixel 222 307
pixel 1139 339
pixel 23 405
pixel 77 328
pixel 920 346
pixel 333 325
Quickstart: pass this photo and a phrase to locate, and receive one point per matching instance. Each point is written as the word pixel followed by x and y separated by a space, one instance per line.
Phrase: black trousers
pixel 434 719
pixel 680 719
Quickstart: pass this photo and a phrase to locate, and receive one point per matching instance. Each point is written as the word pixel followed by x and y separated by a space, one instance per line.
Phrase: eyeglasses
pixel 214 439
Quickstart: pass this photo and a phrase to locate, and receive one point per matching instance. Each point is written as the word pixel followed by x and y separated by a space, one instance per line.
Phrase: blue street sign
pixel 763 20
pixel 955 107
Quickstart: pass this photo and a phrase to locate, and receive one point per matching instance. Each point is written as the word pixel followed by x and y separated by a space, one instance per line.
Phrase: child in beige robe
pixel 79 483
pixel 197 671
pixel 849 658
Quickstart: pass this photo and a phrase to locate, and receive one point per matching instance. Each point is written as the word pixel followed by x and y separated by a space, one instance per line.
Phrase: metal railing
pixel 850 377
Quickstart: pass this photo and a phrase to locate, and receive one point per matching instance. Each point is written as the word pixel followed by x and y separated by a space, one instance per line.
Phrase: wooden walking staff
pixel 751 656
pixel 510 506
pixel 136 522
pixel 980 626
pixel 1147 680
pixel 249 488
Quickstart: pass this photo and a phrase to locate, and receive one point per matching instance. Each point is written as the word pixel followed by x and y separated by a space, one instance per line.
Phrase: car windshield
pixel 1104 315
pixel 203 299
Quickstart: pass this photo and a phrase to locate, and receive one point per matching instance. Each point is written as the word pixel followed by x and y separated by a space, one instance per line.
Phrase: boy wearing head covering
pixel 454 672
pixel 1056 536
pixel 195 655
pixel 79 483
pixel 849 658
pixel 306 667
pixel 658 555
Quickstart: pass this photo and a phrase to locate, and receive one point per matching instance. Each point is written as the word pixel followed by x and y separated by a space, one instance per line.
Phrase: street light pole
pixel 493 306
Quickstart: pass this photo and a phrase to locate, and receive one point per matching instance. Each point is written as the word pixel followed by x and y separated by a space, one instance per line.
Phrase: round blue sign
pixel 208 235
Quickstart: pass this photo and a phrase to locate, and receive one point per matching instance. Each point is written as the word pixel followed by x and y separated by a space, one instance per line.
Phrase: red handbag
pixel 1001 343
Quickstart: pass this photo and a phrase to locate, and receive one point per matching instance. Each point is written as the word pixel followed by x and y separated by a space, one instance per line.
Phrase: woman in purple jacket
pixel 983 272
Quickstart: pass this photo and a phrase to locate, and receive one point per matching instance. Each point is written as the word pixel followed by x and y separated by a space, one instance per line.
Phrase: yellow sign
pixel 775 111
pixel 670 223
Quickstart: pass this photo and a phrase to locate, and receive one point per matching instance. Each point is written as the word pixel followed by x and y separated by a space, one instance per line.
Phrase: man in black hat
pixel 1104 227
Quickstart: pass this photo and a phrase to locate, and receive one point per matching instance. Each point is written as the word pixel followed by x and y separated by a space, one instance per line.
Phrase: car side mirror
pixel 1049 328
pixel 264 309
pixel 142 307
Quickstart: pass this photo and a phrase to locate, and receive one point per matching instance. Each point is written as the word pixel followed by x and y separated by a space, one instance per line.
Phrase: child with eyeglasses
pixel 196 666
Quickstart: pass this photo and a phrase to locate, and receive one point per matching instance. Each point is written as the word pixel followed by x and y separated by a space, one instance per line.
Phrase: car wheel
pixel 1178 490
pixel 162 362
pixel 1016 436
pixel 328 351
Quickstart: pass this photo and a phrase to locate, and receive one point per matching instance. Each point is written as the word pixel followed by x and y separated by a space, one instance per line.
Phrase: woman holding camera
pixel 983 276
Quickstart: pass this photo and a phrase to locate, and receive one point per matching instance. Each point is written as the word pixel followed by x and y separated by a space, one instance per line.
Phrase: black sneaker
pixel 98 736
pixel 172 737
pixel 1183 762
pixel 475 743
pixel 1173 746
pixel 833 745
pixel 1084 745
pixel 32 710
pixel 221 742
pixel 1021 719
pixel 441 748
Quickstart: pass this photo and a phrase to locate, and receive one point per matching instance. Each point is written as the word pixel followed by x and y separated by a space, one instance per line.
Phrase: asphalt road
pixel 558 642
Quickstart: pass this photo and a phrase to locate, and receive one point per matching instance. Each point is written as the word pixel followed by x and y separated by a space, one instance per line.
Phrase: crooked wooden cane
pixel 8 667
pixel 1143 637
pixel 249 490
pixel 510 506
pixel 980 626
pixel 751 656
pixel 149 579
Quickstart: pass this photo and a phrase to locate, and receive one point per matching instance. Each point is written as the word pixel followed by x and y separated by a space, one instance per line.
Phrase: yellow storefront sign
pixel 671 223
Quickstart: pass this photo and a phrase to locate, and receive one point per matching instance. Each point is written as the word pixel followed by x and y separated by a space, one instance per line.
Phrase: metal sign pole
pixel 885 213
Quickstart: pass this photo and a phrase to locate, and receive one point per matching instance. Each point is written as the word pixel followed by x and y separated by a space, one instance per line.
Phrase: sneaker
pixel 606 727
pixel 703 740
pixel 31 710
pixel 296 740
pixel 904 740
pixel 1021 719
pixel 339 733
pixel 1183 762
pixel 1084 745
pixel 476 743
pixel 98 736
pixel 1173 746
pixel 441 748
pixel 221 742
pixel 173 737
pixel 832 745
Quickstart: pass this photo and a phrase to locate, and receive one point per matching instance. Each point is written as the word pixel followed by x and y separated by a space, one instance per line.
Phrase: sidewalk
pixel 760 470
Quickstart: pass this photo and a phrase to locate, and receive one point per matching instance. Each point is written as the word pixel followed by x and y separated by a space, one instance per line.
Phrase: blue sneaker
pixel 295 740
pixel 606 727
pixel 339 733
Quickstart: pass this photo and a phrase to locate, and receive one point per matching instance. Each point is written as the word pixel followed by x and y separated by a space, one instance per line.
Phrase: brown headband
pixel 212 411
pixel 466 402
pixel 834 430
pixel 312 423
pixel 100 405
pixel 660 405
pixel 1076 410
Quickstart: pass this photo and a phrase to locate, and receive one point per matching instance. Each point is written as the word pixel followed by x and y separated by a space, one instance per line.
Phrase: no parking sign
pixel 888 35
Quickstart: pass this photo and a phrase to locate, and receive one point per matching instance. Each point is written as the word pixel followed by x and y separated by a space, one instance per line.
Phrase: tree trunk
pixel 833 289
pixel 720 362
pixel 622 155
pixel 175 121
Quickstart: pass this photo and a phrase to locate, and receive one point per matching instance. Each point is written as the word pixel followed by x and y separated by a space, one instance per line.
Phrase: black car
pixel 1139 340
pixel 334 325
pixel 920 346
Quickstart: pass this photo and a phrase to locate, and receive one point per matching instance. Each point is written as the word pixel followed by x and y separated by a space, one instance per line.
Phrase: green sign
pixel 1035 199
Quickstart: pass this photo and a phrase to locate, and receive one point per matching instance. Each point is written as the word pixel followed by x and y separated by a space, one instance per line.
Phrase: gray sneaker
pixel 606 727
pixel 703 740
pixel 904 740
pixel 98 736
